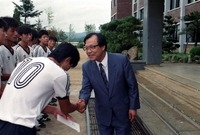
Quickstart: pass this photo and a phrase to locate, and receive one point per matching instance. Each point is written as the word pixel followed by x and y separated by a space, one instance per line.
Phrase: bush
pixel 195 54
pixel 175 57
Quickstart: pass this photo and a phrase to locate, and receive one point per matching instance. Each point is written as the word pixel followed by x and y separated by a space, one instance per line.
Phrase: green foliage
pixel 169 35
pixel 175 57
pixel 16 16
pixel 121 34
pixel 80 45
pixel 193 29
pixel 61 35
pixel 26 10
pixel 195 54
pixel 90 28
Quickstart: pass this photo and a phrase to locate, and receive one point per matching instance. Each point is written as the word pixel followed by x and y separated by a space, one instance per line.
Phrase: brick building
pixel 177 9
pixel 121 9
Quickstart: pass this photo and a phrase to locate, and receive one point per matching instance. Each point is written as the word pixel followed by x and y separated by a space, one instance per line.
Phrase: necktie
pixel 103 74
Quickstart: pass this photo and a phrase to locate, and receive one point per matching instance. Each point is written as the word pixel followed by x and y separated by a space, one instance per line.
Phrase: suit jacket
pixel 122 93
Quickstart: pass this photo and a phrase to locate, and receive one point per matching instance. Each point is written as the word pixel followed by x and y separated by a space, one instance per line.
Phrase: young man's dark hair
pixel 53 38
pixel 24 29
pixel 42 32
pixel 11 22
pixel 34 34
pixel 66 50
pixel 3 24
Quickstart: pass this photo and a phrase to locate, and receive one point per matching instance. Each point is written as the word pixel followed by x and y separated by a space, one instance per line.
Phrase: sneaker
pixel 54 100
pixel 53 104
pixel 37 128
pixel 45 117
pixel 41 124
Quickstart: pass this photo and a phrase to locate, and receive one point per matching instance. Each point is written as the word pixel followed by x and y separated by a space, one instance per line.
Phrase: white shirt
pixel 104 62
pixel 30 88
pixel 40 52
pixel 22 54
pixel 9 60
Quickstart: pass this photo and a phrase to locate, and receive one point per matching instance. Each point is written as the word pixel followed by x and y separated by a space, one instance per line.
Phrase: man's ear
pixel 68 59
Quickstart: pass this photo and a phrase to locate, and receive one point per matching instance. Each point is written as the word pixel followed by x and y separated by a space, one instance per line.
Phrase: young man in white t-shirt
pixel 8 54
pixel 42 50
pixel 3 26
pixel 23 50
pixel 32 85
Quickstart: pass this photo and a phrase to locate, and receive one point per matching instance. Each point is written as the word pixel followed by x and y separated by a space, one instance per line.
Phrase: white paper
pixel 69 123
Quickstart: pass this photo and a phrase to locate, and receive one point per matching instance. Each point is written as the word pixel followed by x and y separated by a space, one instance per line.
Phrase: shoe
pixel 37 128
pixel 45 117
pixel 53 104
pixel 54 100
pixel 41 124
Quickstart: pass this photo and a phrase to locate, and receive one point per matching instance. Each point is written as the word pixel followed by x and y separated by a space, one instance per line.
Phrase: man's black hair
pixel 65 50
pixel 11 22
pixel 24 29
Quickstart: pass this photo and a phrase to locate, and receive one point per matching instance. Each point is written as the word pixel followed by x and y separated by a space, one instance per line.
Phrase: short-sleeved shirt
pixel 40 52
pixel 30 88
pixel 9 60
pixel 22 53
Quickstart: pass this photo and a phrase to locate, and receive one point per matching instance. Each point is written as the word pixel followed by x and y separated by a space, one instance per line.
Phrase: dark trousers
pixel 116 128
pixel 7 128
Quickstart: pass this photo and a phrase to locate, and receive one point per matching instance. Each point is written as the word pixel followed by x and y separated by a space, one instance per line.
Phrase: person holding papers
pixel 32 85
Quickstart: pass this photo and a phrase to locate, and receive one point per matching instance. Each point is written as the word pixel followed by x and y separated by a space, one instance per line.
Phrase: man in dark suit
pixel 116 98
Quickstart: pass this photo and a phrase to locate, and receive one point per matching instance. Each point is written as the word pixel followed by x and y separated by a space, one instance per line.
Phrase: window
pixel 174 4
pixel 141 14
pixel 190 1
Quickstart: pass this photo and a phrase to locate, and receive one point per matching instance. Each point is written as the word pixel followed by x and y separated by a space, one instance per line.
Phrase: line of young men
pixel 20 42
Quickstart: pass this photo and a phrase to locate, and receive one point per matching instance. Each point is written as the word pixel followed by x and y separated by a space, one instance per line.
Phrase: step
pixel 185 92
pixel 187 75
pixel 159 117
pixel 186 99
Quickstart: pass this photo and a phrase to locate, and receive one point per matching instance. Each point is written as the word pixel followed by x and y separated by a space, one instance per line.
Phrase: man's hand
pixel 81 105
pixel 132 115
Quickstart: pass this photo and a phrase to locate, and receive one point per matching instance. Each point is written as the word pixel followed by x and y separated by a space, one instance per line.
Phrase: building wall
pixel 122 9
pixel 192 7
pixel 175 13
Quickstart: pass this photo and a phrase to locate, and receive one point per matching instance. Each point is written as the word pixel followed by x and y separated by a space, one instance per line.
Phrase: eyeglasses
pixel 92 47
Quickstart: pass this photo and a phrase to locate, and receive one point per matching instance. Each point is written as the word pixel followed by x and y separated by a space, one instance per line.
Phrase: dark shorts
pixel 7 128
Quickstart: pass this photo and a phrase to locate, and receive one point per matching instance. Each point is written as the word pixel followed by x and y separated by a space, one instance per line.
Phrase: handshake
pixel 81 105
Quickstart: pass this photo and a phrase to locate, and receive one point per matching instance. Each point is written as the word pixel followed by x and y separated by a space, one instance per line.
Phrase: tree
pixel 38 25
pixel 50 16
pixel 71 33
pixel 26 10
pixel 122 34
pixel 16 16
pixel 62 37
pixel 169 34
pixel 90 28
pixel 193 27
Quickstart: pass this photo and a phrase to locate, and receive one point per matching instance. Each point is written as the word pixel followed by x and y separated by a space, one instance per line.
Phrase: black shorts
pixel 7 128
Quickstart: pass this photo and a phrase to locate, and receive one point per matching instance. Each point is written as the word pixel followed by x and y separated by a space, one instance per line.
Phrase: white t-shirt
pixel 22 53
pixel 40 52
pixel 9 60
pixel 30 88
pixel 0 70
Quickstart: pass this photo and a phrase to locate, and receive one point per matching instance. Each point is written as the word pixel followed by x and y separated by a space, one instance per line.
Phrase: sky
pixel 78 13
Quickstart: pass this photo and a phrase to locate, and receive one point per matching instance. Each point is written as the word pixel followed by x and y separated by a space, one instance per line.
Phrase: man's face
pixel 93 50
pixel 2 36
pixel 12 35
pixel 51 44
pixel 44 40
pixel 26 38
